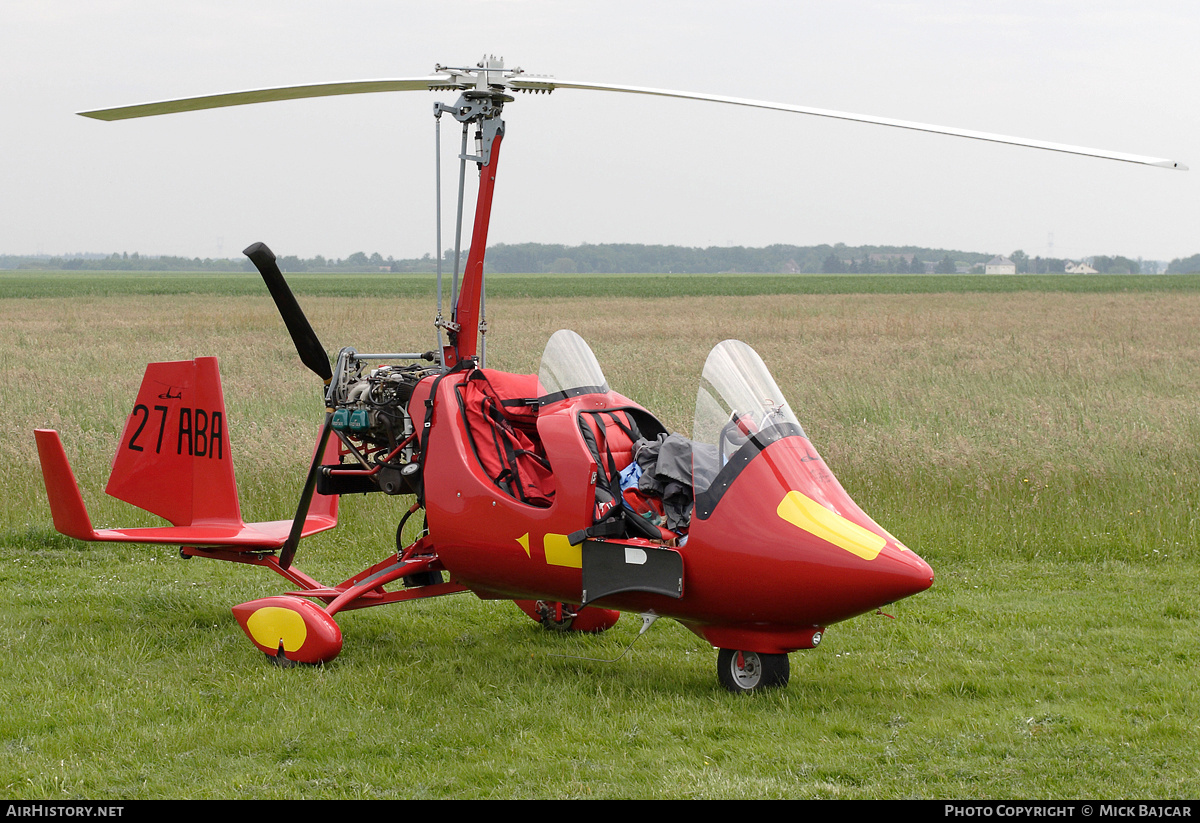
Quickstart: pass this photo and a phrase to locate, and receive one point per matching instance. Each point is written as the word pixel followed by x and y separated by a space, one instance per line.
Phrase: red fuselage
pixel 776 549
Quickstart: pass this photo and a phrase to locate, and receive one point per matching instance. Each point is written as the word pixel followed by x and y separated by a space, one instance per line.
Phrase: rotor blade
pixel 534 84
pixel 464 79
pixel 311 352
pixel 243 98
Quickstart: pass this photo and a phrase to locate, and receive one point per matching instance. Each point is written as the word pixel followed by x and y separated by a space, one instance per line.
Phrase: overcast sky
pixel 334 176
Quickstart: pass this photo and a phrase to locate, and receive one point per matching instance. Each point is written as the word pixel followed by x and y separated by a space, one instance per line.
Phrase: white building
pixel 1000 265
pixel 1079 268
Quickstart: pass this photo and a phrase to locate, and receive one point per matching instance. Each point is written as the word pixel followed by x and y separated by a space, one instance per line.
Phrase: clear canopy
pixel 568 366
pixel 737 400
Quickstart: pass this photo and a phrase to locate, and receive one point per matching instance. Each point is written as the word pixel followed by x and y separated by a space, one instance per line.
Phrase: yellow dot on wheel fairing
pixel 274 627
pixel 304 631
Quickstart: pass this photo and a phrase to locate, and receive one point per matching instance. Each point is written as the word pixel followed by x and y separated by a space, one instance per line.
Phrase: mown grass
pixel 1037 447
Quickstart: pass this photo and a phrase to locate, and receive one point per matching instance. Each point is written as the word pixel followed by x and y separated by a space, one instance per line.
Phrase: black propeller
pixel 312 354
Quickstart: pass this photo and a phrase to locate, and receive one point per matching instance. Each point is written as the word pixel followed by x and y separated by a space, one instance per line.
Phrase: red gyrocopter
pixel 551 490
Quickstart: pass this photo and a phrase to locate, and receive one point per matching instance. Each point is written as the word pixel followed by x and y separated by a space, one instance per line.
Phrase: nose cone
pixel 888 571
pixel 817 558
pixel 902 574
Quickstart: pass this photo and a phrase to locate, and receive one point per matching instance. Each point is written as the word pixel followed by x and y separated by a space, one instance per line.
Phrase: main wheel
pixel 743 672
pixel 565 617
pixel 556 617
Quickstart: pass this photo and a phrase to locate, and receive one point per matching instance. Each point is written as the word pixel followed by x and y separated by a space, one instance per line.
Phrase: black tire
pixel 743 672
pixel 550 622
pixel 281 660
pixel 590 619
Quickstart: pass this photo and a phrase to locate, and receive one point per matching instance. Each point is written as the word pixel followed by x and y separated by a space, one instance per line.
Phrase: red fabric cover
pixel 508 454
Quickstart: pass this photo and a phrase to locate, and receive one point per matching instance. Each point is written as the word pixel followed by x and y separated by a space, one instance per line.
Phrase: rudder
pixel 174 456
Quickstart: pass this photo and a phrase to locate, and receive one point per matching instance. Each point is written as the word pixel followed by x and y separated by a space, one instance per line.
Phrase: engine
pixel 371 418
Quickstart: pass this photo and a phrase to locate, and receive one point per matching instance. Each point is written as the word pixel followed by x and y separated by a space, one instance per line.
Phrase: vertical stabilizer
pixel 174 458
pixel 66 503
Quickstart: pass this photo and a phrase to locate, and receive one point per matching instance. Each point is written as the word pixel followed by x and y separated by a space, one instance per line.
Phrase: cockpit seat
pixel 610 436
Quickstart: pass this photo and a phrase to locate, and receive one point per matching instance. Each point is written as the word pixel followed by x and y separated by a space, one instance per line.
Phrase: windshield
pixel 738 402
pixel 569 368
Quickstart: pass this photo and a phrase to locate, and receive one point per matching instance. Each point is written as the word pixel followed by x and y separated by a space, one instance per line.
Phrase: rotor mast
pixel 479 107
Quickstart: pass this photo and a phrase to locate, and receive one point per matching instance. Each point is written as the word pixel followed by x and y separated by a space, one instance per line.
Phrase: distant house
pixel 1079 268
pixel 1000 265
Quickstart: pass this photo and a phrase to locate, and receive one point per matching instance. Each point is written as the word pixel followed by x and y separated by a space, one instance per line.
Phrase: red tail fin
pixel 174 458
pixel 66 504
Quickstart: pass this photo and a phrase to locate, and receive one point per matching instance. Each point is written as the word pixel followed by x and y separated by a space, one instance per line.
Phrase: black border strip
pixel 707 500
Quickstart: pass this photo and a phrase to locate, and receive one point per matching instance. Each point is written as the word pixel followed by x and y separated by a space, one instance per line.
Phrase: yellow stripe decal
pixel 807 514
pixel 560 552
pixel 524 541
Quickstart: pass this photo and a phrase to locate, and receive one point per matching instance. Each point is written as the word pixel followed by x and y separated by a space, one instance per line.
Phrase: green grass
pixel 1037 447
pixel 111 284
pixel 1006 680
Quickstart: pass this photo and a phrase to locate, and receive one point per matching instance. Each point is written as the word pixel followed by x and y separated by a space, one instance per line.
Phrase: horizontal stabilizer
pixel 71 517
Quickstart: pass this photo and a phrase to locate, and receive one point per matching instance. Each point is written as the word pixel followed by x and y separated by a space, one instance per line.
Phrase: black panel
pixel 610 568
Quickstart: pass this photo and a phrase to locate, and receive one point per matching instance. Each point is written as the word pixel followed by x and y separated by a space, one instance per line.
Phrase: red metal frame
pixel 464 342
pixel 361 591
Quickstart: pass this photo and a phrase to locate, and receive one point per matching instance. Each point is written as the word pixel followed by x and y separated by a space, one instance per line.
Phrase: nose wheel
pixel 742 672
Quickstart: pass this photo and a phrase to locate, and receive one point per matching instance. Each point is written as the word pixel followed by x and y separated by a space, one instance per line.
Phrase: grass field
pixel 1035 439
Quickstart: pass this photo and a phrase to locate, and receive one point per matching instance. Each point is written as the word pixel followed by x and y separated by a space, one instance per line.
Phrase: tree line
pixel 1184 265
pixel 632 258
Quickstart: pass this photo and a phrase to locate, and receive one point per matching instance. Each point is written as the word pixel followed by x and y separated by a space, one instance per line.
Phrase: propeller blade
pixel 547 84
pixel 311 352
pixel 243 98
pixel 288 552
